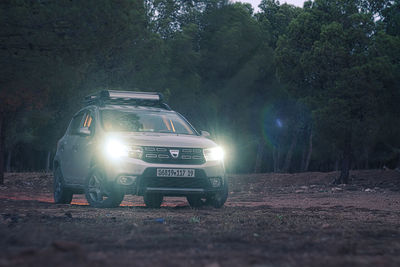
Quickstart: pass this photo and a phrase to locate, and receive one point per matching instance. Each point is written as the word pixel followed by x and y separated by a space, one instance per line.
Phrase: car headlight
pixel 213 154
pixel 115 149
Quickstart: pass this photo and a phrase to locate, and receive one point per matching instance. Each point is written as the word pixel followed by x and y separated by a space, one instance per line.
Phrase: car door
pixel 84 148
pixel 67 148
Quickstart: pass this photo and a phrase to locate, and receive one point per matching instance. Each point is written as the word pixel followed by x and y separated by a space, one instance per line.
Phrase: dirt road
pixel 269 220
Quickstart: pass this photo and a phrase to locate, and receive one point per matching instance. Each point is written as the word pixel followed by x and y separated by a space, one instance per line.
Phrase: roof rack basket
pixel 130 98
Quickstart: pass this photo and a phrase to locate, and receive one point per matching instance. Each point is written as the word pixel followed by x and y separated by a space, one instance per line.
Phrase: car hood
pixel 164 140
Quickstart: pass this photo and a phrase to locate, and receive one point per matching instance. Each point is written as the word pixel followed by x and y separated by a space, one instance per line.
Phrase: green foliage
pixel 275 19
pixel 330 58
pixel 337 65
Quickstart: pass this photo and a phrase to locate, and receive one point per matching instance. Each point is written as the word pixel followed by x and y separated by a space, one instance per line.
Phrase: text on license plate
pixel 175 172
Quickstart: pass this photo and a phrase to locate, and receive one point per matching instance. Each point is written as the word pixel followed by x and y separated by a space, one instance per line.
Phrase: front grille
pixel 173 155
pixel 175 182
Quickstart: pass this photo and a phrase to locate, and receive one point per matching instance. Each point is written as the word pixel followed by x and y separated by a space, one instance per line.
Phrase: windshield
pixel 144 121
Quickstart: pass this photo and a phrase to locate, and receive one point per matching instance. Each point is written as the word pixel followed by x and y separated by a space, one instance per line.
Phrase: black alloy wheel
pixel 217 200
pixel 153 200
pixel 196 201
pixel 99 194
pixel 62 195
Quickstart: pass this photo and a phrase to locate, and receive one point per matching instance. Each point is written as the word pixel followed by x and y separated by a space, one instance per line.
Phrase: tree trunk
pixel 278 166
pixel 366 164
pixel 366 157
pixel 344 171
pixel 48 161
pixel 260 154
pixel 303 158
pixel 9 155
pixel 1 148
pixel 306 160
pixel 275 158
pixel 346 162
pixel 337 163
pixel 289 155
pixel 398 163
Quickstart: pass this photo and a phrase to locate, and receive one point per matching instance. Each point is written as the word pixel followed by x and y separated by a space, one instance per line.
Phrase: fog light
pixel 126 180
pixel 215 181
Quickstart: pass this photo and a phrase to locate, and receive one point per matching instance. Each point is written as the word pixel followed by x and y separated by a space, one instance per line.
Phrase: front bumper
pixel 147 181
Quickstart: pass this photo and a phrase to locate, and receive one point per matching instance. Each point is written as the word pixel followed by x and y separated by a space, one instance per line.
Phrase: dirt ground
pixel 269 220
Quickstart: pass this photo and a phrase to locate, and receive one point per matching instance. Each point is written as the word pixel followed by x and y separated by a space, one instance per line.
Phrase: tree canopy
pixel 283 89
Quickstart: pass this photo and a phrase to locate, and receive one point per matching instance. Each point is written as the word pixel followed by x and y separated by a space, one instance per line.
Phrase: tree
pixel 275 18
pixel 326 59
pixel 55 52
pixel 335 94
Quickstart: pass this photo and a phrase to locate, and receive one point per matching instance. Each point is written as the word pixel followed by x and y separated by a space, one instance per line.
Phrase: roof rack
pixel 130 98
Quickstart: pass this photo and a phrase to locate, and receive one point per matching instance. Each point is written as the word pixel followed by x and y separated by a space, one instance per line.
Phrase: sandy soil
pixel 269 220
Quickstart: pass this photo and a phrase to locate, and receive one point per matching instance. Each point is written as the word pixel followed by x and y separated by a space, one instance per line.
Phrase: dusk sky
pixel 255 3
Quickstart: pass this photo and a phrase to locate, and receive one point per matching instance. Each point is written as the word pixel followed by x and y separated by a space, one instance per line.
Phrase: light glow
pixel 115 149
pixel 214 153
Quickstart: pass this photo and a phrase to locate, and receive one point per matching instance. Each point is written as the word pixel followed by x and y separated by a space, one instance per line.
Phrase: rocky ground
pixel 269 220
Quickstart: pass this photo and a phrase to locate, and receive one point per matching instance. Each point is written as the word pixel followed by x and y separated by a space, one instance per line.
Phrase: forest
pixel 283 89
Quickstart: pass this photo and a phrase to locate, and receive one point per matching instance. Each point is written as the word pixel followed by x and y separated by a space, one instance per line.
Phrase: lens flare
pixel 115 149
pixel 214 153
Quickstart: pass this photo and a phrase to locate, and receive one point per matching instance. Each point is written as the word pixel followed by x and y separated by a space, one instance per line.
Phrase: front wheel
pixel 99 194
pixel 62 195
pixel 153 200
pixel 218 199
pixel 196 201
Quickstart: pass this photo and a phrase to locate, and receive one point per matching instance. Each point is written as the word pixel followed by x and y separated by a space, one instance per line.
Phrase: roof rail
pixel 131 98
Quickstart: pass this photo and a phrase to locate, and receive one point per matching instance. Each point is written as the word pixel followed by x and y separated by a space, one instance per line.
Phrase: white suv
pixel 126 142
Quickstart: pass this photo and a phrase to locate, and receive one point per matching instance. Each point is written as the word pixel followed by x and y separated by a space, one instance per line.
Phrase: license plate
pixel 175 172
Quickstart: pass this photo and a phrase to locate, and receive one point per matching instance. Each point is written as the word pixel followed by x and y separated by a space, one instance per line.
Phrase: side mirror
pixel 84 131
pixel 205 134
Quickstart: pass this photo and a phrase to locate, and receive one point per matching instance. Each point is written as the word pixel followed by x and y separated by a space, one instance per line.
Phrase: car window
pixel 76 123
pixel 144 121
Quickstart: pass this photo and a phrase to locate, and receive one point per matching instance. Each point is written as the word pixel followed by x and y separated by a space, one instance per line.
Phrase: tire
pixel 62 195
pixel 196 201
pixel 217 200
pixel 99 194
pixel 153 200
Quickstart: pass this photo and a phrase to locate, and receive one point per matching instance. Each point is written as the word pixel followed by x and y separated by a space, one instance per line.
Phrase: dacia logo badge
pixel 174 153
